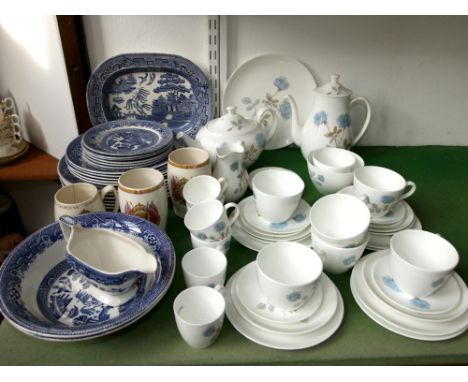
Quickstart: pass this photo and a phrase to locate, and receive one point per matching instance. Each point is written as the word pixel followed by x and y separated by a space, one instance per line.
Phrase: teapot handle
pixel 269 128
pixel 368 116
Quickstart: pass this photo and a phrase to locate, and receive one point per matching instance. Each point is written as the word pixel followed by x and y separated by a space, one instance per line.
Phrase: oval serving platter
pixel 165 88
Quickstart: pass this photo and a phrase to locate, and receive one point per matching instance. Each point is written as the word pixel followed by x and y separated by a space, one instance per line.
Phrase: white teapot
pixel 329 124
pixel 231 127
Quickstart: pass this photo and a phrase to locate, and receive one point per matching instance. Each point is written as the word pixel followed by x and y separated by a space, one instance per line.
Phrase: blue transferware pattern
pixel 415 301
pixel 127 138
pixel 49 239
pixel 165 88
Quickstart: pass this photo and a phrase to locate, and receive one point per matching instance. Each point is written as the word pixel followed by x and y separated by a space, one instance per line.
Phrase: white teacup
pixel 204 266
pixel 334 159
pixel 221 245
pixel 338 260
pixel 381 188
pixel 80 198
pixel 203 187
pixel 339 219
pixel 182 165
pixel 142 193
pixel 288 273
pixel 199 314
pixel 277 193
pixel 209 221
pixel 420 261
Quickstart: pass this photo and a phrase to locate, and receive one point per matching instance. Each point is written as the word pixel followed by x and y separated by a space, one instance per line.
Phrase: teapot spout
pixel 296 127
pixel 189 141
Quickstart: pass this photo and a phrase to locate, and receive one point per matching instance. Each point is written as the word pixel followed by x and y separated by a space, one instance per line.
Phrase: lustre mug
pixel 184 164
pixel 381 188
pixel 80 198
pixel 142 193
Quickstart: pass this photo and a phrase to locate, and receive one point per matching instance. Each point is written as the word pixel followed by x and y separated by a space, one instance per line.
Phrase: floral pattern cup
pixel 184 164
pixel 142 192
pixel 381 188
pixel 208 220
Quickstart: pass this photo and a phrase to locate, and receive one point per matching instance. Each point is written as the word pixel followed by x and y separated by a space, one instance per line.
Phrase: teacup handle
pixel 224 184
pixel 411 191
pixel 17 136
pixel 368 117
pixel 220 288
pixel 269 128
pixel 107 190
pixel 233 217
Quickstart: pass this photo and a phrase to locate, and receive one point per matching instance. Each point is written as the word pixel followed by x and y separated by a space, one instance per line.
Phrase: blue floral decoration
pixel 438 282
pixel 389 214
pixel 261 139
pixel 234 166
pixel 390 282
pixel 421 304
pixel 321 178
pixel 220 226
pixel 294 296
pixel 279 225
pixel 387 199
pixel 210 331
pixel 202 236
pixel 299 218
pixel 285 109
pixel 343 120
pixel 320 118
pixel 281 83
pixel 349 260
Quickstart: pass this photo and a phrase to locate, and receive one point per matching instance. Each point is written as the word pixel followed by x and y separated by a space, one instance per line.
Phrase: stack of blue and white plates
pixel 102 154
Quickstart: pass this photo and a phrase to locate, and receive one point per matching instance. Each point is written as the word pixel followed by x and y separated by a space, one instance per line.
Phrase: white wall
pixel 187 36
pixel 412 69
pixel 32 71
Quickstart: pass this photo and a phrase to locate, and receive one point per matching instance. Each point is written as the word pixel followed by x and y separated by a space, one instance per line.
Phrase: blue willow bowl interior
pixel 35 276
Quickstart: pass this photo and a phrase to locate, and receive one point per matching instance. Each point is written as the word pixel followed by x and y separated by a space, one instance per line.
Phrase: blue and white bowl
pixel 42 296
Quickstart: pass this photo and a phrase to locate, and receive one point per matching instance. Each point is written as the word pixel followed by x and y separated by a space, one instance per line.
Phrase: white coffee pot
pixel 329 124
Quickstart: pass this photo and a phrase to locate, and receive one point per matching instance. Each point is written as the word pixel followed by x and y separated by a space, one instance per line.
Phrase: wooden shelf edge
pixel 34 165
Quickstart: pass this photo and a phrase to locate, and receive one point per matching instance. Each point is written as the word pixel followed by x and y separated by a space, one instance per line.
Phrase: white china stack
pixel 283 300
pixel 276 211
pixel 412 289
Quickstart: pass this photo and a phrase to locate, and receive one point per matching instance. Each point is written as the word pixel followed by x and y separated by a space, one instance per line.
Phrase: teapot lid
pixel 334 88
pixel 231 122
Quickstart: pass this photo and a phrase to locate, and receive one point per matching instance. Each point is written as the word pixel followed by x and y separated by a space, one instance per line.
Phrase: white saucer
pixel 252 298
pixel 324 312
pixel 382 241
pixel 279 340
pixel 445 304
pixel 298 221
pixel 395 320
pixel 256 244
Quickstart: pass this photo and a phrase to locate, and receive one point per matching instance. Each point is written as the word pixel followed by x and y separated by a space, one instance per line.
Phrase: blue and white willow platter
pixel 165 88
pixel 128 139
pixel 42 296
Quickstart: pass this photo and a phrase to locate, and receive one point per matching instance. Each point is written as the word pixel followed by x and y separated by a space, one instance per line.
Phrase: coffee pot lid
pixel 334 87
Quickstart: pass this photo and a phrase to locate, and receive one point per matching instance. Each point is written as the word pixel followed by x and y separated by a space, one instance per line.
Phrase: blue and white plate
pixel 125 138
pixel 164 88
pixel 41 296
